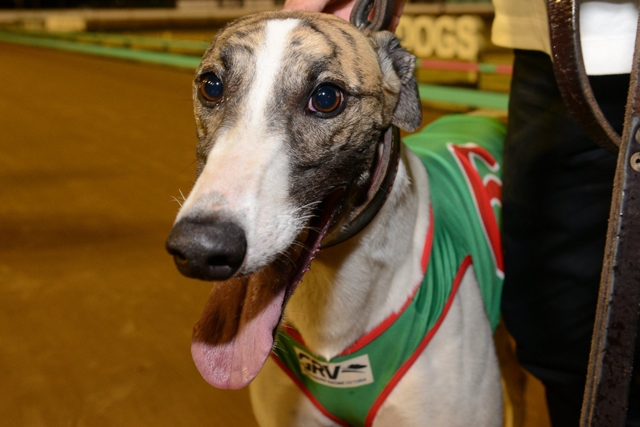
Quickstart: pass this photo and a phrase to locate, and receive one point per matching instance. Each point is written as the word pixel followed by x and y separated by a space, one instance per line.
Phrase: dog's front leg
pixel 278 402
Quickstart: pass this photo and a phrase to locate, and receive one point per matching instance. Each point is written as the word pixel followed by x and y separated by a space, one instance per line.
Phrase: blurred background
pixel 97 149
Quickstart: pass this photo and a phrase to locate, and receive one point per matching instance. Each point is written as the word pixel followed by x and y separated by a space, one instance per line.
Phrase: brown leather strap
pixel 382 15
pixel 614 334
pixel 355 218
pixel 566 51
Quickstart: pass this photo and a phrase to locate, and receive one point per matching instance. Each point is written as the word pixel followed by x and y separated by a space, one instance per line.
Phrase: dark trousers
pixel 556 199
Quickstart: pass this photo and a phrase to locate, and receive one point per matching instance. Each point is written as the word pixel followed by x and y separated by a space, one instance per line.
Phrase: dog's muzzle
pixel 207 248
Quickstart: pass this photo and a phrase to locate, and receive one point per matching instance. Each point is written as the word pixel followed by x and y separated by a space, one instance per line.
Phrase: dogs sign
pixel 446 36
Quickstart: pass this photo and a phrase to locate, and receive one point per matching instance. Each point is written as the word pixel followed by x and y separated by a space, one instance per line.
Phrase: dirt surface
pixel 96 321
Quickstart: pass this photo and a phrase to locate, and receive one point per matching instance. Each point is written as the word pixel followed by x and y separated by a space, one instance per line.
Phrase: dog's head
pixel 290 108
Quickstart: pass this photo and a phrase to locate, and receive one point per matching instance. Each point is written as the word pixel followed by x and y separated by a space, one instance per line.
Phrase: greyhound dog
pixel 293 113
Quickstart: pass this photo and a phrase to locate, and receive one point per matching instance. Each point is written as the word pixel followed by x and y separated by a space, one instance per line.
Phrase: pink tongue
pixel 234 336
pixel 234 364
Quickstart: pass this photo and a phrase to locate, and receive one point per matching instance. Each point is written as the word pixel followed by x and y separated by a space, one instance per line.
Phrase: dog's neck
pixel 355 285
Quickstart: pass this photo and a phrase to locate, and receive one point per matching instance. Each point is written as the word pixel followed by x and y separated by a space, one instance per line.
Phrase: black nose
pixel 207 249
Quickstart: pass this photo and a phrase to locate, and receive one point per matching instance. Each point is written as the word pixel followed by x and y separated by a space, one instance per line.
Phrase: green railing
pixel 171 52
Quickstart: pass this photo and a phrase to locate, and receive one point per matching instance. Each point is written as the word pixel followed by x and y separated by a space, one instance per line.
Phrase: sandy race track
pixel 96 320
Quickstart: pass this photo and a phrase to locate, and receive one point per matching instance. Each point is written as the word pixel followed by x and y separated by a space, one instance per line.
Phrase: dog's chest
pixel 464 213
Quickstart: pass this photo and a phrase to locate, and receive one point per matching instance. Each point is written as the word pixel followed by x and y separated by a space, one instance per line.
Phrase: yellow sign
pixel 444 36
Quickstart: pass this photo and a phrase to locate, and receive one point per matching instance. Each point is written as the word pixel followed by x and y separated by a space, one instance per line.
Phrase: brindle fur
pixel 265 166
pixel 325 153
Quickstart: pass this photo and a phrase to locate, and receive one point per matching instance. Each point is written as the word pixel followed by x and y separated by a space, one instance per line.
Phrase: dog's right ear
pixel 397 65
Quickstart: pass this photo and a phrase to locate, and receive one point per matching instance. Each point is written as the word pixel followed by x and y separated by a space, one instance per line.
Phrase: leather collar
pixel 354 218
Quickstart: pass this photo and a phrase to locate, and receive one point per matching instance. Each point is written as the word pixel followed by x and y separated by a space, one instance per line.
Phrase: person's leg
pixel 556 199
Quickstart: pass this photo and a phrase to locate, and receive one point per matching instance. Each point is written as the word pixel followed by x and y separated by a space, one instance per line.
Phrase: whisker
pixel 303 208
pixel 288 257
pixel 301 245
pixel 308 205
pixel 277 346
pixel 188 166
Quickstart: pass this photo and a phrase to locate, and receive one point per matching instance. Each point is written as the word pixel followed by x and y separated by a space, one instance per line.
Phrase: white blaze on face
pixel 248 166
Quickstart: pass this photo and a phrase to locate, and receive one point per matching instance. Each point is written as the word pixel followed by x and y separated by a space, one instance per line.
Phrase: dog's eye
pixel 325 99
pixel 211 87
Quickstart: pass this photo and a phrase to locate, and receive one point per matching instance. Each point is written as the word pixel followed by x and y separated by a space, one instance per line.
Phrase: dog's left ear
pixel 397 66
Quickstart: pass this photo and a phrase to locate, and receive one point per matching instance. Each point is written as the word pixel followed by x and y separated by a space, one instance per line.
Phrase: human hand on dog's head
pixel 339 8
